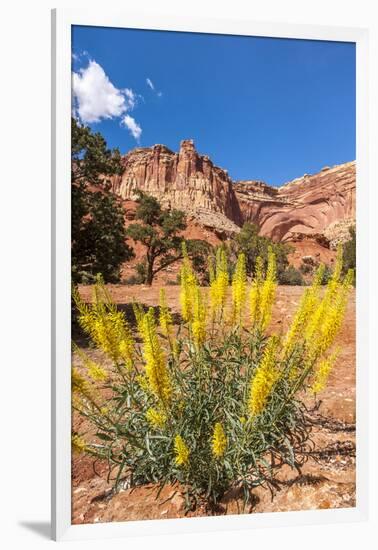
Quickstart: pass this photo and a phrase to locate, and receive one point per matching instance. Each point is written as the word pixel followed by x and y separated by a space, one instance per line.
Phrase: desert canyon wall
pixel 319 206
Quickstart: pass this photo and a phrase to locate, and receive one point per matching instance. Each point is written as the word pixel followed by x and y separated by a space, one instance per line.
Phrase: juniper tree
pixel 349 251
pixel 253 245
pixel 98 234
pixel 160 232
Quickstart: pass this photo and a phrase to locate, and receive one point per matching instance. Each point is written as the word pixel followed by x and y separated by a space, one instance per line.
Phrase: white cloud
pixel 76 56
pixel 150 84
pixel 131 98
pixel 133 126
pixel 96 97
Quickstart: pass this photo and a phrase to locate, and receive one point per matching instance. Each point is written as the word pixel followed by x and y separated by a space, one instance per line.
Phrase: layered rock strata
pixel 306 206
pixel 313 206
pixel 183 180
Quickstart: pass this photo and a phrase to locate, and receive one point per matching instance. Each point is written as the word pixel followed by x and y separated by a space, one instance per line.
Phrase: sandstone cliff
pixel 319 207
pixel 311 206
pixel 184 180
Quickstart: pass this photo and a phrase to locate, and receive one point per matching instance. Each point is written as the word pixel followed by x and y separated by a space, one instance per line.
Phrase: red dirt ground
pixel 309 247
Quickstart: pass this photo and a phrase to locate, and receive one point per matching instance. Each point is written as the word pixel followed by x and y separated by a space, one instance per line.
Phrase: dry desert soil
pixel 325 480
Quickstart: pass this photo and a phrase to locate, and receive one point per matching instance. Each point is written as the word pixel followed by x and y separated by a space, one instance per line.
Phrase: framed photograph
pixel 210 237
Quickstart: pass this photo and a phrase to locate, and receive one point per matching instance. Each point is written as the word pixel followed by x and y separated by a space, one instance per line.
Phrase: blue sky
pixel 262 108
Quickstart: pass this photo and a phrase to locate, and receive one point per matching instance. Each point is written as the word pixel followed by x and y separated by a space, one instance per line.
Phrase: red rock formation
pixel 307 206
pixel 184 180
pixel 313 206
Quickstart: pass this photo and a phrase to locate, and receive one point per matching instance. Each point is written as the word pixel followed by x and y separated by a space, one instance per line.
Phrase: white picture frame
pixel 62 20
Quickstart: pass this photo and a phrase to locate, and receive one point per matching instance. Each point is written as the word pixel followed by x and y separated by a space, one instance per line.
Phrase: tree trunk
pixel 150 271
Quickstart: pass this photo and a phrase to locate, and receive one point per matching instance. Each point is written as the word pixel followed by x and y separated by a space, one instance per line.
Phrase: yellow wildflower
pixel 338 264
pixel 156 368
pixel 218 441
pixel 219 282
pixel 79 384
pixel 320 312
pixel 78 444
pixel 126 350
pixel 105 325
pixel 309 301
pixel 181 451
pixel 86 319
pixel 156 418
pixel 122 337
pixel 239 289
pixel 254 294
pixel 323 371
pixel 95 371
pixel 198 324
pixel 254 301
pixel 108 331
pixel 165 317
pixel 333 286
pixel 268 291
pixel 188 287
pixel 144 383
pixel 264 378
pixel 102 336
pixel 82 388
pixel 326 324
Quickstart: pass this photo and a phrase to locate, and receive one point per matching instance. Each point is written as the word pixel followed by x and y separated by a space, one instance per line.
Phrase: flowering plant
pixel 213 402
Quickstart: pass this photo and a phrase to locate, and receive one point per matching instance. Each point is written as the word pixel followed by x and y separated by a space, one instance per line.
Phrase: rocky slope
pixel 318 207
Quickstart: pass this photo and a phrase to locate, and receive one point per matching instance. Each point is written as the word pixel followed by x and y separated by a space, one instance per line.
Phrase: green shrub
pixel 141 270
pixel 172 282
pixel 291 276
pixel 132 280
pixel 328 272
pixel 306 268
pixel 213 403
pixel 253 245
pixel 349 252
